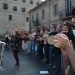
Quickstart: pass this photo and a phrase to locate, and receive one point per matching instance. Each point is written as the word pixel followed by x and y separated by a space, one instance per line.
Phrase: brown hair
pixel 16 31
pixel 69 25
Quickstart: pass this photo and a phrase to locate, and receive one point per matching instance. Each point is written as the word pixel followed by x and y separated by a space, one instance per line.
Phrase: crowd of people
pixel 54 45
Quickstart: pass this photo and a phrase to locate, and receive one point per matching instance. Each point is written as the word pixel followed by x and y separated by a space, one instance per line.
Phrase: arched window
pixel 14 8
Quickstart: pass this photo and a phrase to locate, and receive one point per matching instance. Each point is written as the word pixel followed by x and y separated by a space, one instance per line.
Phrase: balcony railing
pixel 36 22
pixel 64 15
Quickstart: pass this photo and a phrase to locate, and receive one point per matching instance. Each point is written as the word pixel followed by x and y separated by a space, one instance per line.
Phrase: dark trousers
pixel 41 51
pixel 46 49
pixel 15 53
pixel 51 54
pixel 57 60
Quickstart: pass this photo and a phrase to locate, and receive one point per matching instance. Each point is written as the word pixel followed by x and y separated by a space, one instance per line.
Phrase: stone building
pixel 39 16
pixel 13 14
pixel 51 12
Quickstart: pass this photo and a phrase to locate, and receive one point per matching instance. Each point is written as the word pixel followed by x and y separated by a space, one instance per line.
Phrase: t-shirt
pixel 7 35
pixel 33 34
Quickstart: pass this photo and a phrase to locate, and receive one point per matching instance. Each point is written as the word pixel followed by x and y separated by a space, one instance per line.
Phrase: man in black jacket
pixel 15 47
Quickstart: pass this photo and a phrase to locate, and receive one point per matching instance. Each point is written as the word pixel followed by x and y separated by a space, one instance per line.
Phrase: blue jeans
pixel 51 48
pixel 37 48
pixel 32 46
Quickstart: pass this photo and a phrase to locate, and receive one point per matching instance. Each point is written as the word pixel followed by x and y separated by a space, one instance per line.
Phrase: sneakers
pixel 17 65
pixel 52 66
pixel 46 62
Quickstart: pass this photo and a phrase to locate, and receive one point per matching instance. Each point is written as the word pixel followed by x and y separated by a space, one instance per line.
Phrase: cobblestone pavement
pixel 29 65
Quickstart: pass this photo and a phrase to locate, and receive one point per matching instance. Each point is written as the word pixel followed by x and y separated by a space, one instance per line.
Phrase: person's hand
pixel 67 70
pixel 62 41
pixel 9 38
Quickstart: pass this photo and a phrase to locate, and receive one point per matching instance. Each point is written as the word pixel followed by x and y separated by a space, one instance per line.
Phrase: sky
pixel 42 0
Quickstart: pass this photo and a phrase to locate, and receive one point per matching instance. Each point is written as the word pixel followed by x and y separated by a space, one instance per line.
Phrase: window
pixel 31 1
pixel 23 1
pixel 27 19
pixel 55 9
pixel 38 3
pixel 43 14
pixel 37 19
pixel 68 6
pixel 5 6
pixel 10 17
pixel 32 18
pixel 37 16
pixel 23 10
pixel 14 8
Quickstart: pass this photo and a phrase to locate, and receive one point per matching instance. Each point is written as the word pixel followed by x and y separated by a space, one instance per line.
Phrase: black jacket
pixel 15 42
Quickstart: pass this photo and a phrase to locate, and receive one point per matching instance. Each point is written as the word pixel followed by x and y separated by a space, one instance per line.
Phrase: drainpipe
pixel 30 21
pixel 49 14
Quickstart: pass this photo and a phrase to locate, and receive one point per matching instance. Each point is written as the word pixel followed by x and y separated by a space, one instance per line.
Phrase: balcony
pixel 64 15
pixel 36 22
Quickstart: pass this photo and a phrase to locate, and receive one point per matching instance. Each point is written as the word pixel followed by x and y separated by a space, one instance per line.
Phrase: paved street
pixel 29 65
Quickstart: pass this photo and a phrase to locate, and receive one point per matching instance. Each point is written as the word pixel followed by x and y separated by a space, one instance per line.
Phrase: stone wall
pixel 18 17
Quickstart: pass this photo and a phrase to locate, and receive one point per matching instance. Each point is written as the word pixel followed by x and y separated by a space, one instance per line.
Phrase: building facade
pixel 13 14
pixel 51 12
pixel 39 16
